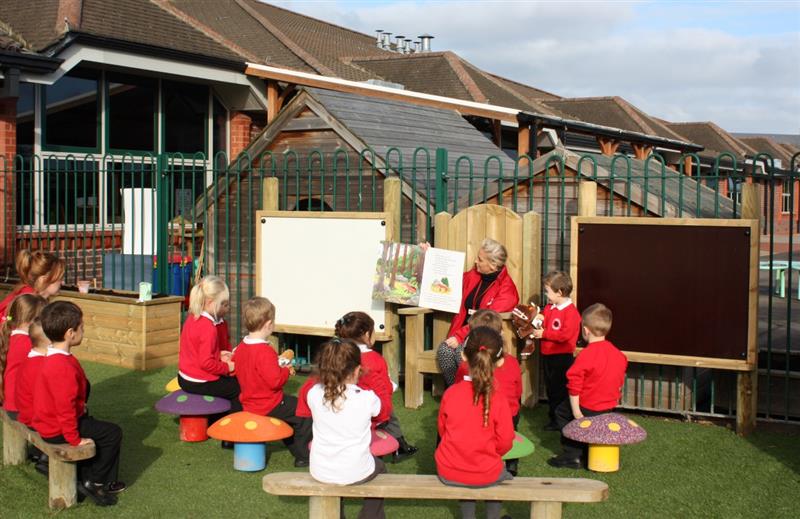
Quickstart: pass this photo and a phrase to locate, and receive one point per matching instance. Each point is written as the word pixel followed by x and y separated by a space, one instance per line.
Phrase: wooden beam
pixel 608 146
pixel 497 133
pixel 523 146
pixel 687 165
pixel 392 201
pixel 273 105
pixel 641 151
pixel 747 381
pixel 286 92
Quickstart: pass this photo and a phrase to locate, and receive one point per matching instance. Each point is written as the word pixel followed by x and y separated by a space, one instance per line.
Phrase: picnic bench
pixel 546 495
pixel 62 478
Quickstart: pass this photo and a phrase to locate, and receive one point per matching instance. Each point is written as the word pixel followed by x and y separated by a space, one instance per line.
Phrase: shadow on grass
pixel 779 441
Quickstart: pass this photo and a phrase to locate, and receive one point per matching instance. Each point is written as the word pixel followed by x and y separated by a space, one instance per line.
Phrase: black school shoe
pixel 512 466
pixel 404 451
pixel 565 462
pixel 97 493
pixel 115 487
pixel 301 463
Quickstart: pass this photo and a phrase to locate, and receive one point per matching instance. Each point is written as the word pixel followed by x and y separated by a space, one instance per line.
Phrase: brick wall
pixel 241 124
pixel 8 148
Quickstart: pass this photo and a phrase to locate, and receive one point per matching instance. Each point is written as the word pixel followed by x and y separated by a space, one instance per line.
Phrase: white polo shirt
pixel 340 450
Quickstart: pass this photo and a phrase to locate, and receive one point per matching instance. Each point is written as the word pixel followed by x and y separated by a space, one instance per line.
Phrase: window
pixel 131 113
pixel 786 196
pixel 69 191
pixel 25 122
pixel 185 118
pixel 72 110
pixel 122 175
pixel 735 189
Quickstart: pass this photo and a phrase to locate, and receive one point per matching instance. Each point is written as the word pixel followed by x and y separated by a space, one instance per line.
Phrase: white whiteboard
pixel 317 266
pixel 140 213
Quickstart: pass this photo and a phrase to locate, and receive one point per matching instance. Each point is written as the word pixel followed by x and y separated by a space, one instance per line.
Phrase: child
pixel 475 427
pixel 343 415
pixel 359 327
pixel 561 325
pixel 15 344
pixel 29 372
pixel 594 381
pixel 40 273
pixel 59 406
pixel 507 373
pixel 262 378
pixel 203 367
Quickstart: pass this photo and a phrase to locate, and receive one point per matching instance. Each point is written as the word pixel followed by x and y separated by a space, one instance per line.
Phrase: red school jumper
pixel 260 376
pixel 19 345
pixel 508 378
pixel 303 410
pixel 470 453
pixel 501 296
pixel 560 329
pixel 59 398
pixel 375 377
pixel 597 376
pixel 26 385
pixel 198 357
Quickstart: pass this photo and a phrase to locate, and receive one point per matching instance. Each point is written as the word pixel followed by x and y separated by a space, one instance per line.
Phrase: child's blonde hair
pixel 486 317
pixel 210 287
pixel 23 310
pixel 38 338
pixel 257 311
pixel 597 318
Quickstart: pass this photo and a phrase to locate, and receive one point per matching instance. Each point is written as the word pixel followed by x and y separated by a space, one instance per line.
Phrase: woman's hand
pixel 424 246
pixel 225 356
pixel 231 366
pixel 452 342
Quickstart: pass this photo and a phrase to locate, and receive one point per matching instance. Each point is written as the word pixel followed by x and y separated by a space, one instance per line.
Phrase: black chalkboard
pixel 673 289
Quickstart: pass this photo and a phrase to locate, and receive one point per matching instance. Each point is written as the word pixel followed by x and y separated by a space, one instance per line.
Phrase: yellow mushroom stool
pixel 604 433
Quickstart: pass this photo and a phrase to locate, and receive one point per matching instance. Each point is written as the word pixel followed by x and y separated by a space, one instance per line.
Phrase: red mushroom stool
pixel 249 432
pixel 193 410
pixel 604 433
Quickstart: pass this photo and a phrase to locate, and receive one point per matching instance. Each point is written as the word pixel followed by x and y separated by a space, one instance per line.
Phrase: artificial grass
pixel 681 470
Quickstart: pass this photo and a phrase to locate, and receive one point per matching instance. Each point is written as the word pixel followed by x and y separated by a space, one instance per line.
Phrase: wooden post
pixel 273 95
pixel 391 205
pixel 269 194
pixel 607 146
pixel 687 166
pixel 747 381
pixel 324 507
pixel 523 146
pixel 531 288
pixel 587 198
pixel 545 510
pixel 14 443
pixel 441 321
pixel 415 341
pixel 497 133
pixel 62 477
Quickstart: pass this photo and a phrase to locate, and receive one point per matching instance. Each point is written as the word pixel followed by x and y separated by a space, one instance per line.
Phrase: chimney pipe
pixel 407 47
pixel 398 46
pixel 379 40
pixel 387 43
pixel 426 42
pixel 417 46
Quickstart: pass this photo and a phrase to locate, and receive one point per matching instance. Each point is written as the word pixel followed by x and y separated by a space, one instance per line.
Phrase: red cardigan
pixel 19 345
pixel 508 378
pixel 501 296
pixel 375 377
pixel 560 329
pixel 5 303
pixel 26 384
pixel 470 453
pixel 260 376
pixel 59 398
pixel 597 376
pixel 200 349
pixel 303 410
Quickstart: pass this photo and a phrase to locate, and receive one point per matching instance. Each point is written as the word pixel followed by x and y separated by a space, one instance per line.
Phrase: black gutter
pixel 557 123
pixel 25 62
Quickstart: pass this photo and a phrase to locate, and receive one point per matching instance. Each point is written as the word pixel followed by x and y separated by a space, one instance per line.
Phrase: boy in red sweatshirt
pixel 594 382
pixel 59 406
pixel 261 377
pixel 560 326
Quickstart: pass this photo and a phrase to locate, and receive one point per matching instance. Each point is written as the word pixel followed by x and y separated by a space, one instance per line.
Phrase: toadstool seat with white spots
pixel 193 410
pixel 249 432
pixel 604 433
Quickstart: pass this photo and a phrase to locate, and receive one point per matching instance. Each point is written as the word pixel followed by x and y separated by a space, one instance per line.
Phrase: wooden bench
pixel 63 476
pixel 545 494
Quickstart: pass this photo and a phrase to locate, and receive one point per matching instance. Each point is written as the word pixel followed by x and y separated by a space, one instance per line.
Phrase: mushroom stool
pixel 249 432
pixel 193 410
pixel 604 433
pixel 172 385
pixel 382 443
pixel 520 448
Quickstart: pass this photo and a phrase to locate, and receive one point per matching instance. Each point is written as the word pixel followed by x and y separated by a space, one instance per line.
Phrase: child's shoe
pixel 512 466
pixel 115 487
pixel 97 492
pixel 565 462
pixel 404 451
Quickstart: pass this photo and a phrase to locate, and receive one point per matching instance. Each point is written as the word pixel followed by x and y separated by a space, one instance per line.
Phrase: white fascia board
pixel 77 53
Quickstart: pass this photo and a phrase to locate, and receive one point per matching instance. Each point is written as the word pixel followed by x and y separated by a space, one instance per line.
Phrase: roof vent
pixel 407 47
pixel 387 42
pixel 426 42
pixel 379 37
pixel 399 43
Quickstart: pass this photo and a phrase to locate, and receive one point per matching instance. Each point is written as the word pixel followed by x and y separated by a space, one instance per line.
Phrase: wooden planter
pixel 123 332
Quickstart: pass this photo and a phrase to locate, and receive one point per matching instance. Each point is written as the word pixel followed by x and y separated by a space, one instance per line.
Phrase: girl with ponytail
pixel 15 344
pixel 40 273
pixel 475 427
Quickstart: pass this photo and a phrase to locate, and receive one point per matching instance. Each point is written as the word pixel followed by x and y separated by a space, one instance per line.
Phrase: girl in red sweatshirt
pixel 359 327
pixel 15 344
pixel 475 425
pixel 29 372
pixel 204 367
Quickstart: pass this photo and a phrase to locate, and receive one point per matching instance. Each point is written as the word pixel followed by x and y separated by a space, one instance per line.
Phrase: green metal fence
pixel 119 220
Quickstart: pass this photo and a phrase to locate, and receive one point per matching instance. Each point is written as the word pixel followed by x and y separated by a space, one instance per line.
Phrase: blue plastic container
pixel 180 274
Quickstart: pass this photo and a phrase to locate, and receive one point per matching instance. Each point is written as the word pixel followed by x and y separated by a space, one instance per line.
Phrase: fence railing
pixel 119 220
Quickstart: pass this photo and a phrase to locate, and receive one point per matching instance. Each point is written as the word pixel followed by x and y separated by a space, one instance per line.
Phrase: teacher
pixel 486 285
pixel 39 272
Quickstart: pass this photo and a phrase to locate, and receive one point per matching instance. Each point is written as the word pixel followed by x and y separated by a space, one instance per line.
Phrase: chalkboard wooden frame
pixel 747 258
pixel 335 256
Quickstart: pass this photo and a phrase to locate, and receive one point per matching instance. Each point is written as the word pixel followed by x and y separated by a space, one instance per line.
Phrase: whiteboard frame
pixel 380 335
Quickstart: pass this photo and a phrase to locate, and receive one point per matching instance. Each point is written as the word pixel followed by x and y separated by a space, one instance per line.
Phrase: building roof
pixel 612 111
pixel 769 146
pixel 713 138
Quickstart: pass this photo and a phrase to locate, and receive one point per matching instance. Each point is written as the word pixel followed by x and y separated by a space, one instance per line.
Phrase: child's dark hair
pixel 59 317
pixel 483 347
pixel 337 360
pixel 559 281
pixel 486 317
pixel 353 325
pixel 257 311
pixel 24 309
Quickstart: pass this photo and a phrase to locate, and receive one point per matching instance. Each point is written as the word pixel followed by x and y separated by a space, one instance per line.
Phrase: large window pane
pixel 70 192
pixel 122 175
pixel 25 119
pixel 220 134
pixel 131 113
pixel 185 117
pixel 187 183
pixel 71 116
pixel 24 189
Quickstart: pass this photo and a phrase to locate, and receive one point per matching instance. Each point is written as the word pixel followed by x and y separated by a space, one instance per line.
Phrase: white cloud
pixel 671 68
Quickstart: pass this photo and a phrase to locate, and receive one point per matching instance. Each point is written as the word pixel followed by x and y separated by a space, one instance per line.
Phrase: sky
pixel 735 63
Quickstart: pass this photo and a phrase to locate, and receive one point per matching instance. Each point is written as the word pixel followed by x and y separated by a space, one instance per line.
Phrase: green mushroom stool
pixel 520 448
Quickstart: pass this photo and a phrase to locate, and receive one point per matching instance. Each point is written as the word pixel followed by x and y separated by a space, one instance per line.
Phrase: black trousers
pixel 564 416
pixel 107 436
pixel 297 443
pixel 223 387
pixel 555 380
